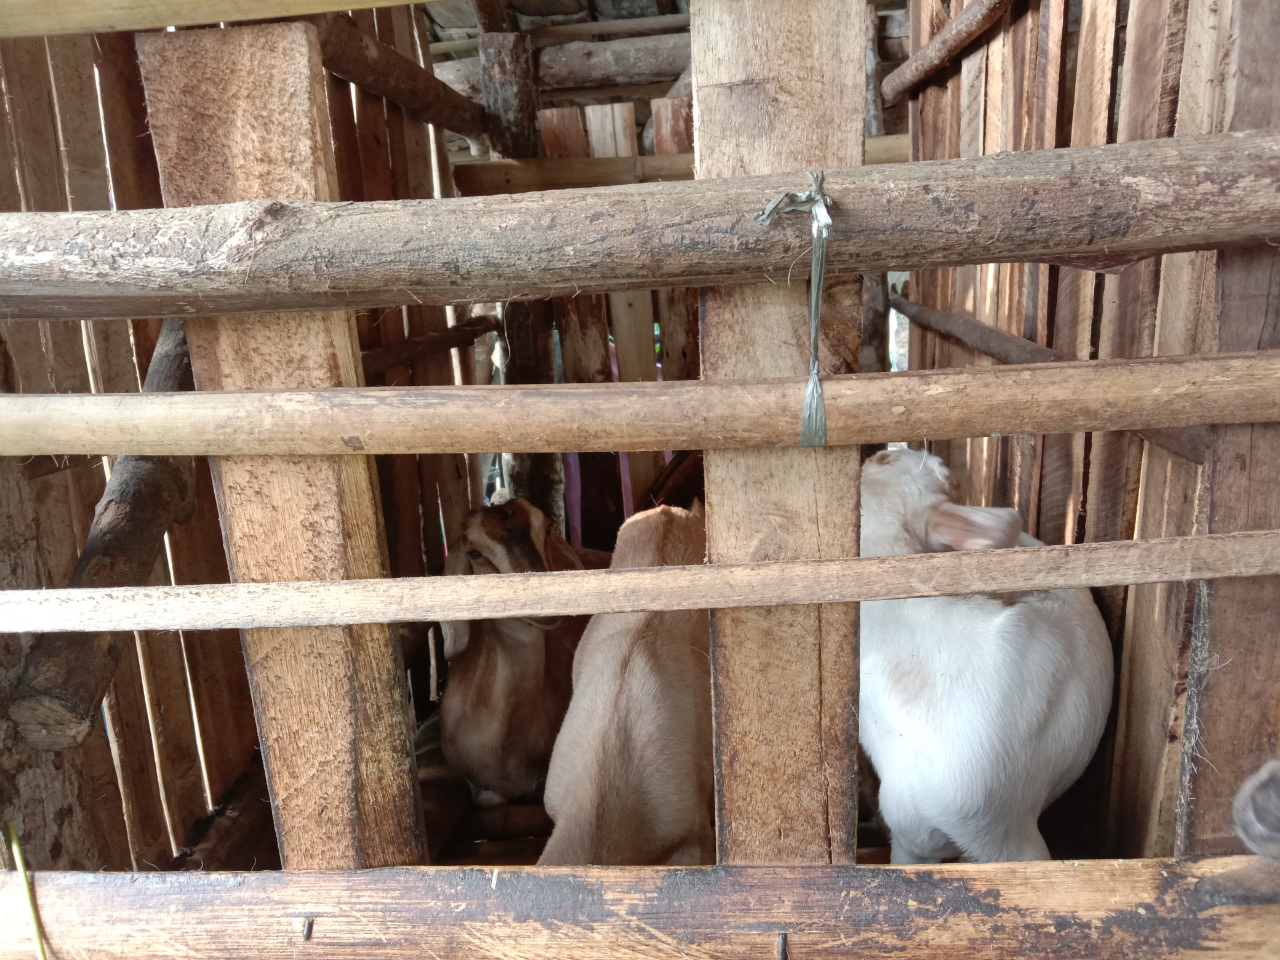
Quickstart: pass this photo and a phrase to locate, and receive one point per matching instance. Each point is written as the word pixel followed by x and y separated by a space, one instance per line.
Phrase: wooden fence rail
pixel 1091 909
pixel 581 592
pixel 1092 206
pixel 679 415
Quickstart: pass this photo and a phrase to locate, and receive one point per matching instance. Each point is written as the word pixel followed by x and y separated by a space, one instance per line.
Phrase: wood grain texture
pixel 554 173
pixel 509 95
pixel 683 415
pixel 774 89
pixel 1098 205
pixel 30 18
pixel 635 60
pixel 611 132
pixel 958 33
pixel 583 324
pixel 330 702
pixel 1096 910
pixel 1233 658
pixel 677 307
pixel 782 584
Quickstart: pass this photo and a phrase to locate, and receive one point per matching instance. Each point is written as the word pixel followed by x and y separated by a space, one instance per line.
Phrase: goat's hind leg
pixel 1003 842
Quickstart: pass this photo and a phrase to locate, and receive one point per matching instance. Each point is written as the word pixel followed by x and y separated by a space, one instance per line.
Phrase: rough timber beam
pixel 1092 206
pixel 1090 909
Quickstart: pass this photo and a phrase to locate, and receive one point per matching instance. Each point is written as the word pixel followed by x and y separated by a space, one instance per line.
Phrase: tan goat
pixel 509 680
pixel 630 780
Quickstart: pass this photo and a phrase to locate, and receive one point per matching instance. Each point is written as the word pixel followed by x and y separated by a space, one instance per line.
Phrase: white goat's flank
pixel 630 779
pixel 976 711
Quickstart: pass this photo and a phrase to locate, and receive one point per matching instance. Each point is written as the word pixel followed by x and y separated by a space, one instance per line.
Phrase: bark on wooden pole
pixel 683 415
pixel 63 679
pixel 1097 206
pixel 380 359
pixel 779 585
pixel 380 70
pixel 510 97
pixel 962 30
pixel 331 705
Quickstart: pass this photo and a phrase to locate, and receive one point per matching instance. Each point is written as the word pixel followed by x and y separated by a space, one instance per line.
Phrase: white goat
pixel 630 780
pixel 510 679
pixel 977 711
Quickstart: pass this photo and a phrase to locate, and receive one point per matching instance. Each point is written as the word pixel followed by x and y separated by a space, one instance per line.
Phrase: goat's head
pixel 513 537
pixel 906 508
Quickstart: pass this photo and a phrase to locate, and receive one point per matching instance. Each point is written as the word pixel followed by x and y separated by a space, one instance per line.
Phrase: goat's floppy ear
pixel 950 526
pixel 698 510
pixel 558 554
pixel 456 634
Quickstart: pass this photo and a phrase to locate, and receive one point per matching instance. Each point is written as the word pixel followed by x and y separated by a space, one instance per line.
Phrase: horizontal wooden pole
pixel 571 32
pixel 35 18
pixel 385 72
pixel 486 178
pixel 1190 443
pixel 1067 397
pixel 378 360
pixel 1090 909
pixel 960 31
pixel 581 592
pixel 1086 206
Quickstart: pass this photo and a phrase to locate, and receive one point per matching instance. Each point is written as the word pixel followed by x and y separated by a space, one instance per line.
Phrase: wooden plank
pixel 313 745
pixel 1093 214
pixel 677 306
pixel 1095 909
pixel 583 323
pixel 611 132
pixel 684 415
pixel 29 18
pixel 1062 483
pixel 1148 766
pixel 782 585
pixel 1233 658
pixel 759 71
pixel 553 173
pixel 52 358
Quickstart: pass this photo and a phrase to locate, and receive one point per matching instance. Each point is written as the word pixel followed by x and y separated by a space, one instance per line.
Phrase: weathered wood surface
pixel 33 18
pixel 509 95
pixel 965 27
pixel 775 88
pixel 1096 205
pixel 330 702
pixel 683 415
pixel 380 359
pixel 780 583
pixel 63 680
pixel 989 340
pixel 635 26
pixel 587 65
pixel 379 69
pixel 1094 910
pixel 1233 658
pixel 572 173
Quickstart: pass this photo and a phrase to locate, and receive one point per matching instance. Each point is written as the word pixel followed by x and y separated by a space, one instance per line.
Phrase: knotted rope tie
pixel 813 419
pixel 27 887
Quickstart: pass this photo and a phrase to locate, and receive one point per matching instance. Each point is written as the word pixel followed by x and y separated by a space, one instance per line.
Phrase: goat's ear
pixel 457 563
pixel 697 509
pixel 456 634
pixel 558 554
pixel 950 526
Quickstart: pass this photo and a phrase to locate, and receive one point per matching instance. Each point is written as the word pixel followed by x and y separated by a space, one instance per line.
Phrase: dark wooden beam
pixel 1098 206
pixel 1093 910
pixel 509 94
pixel 965 27
pixel 380 359
pixel 379 69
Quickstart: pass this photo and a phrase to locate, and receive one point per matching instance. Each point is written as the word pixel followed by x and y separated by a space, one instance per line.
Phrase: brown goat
pixel 509 680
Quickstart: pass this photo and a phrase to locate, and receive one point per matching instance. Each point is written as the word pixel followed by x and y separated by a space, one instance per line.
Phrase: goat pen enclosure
pixel 288 189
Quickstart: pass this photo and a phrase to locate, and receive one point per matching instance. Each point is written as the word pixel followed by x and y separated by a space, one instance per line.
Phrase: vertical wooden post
pixel 677 306
pixel 509 94
pixel 237 114
pixel 775 90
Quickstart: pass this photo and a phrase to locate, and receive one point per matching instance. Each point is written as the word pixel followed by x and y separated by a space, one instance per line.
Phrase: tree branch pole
pixel 959 32
pixel 1100 207
pixel 464 334
pixel 1068 397
pixel 63 678
pixel 381 70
